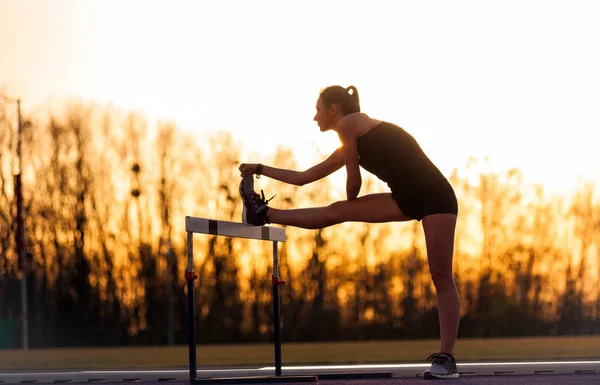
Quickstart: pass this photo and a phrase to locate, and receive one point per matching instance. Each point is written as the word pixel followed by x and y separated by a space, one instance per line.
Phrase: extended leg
pixel 373 208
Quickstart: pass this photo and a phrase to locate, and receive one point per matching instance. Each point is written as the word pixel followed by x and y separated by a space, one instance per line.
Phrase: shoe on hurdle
pixel 442 366
pixel 255 207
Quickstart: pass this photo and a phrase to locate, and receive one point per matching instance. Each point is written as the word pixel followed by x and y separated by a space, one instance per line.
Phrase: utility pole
pixel 23 257
pixel 21 232
pixel 171 330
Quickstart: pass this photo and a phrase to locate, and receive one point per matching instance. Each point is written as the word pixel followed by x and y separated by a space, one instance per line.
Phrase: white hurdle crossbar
pixel 236 230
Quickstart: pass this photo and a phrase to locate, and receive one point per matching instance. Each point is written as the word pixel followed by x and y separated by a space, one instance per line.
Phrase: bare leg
pixel 373 208
pixel 439 237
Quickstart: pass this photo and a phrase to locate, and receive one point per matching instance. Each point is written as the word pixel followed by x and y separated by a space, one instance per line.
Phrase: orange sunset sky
pixel 517 81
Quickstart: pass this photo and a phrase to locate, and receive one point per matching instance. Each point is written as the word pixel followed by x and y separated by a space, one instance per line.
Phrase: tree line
pixel 106 193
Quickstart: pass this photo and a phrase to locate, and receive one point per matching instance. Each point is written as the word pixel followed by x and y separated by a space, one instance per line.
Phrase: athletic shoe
pixel 255 207
pixel 442 366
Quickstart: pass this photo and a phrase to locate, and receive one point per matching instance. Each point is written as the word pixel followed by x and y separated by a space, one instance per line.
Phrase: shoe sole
pixel 430 376
pixel 244 219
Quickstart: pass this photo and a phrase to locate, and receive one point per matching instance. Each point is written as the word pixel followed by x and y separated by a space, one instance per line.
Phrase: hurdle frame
pixel 196 225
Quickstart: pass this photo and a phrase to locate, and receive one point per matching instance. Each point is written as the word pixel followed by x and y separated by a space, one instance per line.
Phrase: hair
pixel 341 96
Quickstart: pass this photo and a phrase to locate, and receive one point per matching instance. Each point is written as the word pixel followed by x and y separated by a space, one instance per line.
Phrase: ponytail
pixel 354 96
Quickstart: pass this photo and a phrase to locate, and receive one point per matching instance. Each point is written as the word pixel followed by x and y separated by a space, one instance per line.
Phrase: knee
pixel 442 277
pixel 333 213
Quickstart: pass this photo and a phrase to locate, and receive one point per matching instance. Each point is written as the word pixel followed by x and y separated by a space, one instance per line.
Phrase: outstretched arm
pixel 299 178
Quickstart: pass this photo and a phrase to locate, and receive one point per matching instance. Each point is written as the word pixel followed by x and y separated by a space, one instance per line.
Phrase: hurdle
pixel 194 225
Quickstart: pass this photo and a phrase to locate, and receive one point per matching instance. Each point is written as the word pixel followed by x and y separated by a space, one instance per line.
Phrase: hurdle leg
pixel 190 276
pixel 276 281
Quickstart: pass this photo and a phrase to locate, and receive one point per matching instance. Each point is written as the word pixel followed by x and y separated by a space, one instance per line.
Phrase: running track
pixel 579 372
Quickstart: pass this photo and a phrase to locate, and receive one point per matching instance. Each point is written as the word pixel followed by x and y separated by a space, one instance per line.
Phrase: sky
pixel 516 81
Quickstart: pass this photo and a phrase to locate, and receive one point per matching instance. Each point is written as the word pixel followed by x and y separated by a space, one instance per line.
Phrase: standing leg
pixel 439 238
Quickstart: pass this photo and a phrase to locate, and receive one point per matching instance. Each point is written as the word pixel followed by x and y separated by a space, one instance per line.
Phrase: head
pixel 334 103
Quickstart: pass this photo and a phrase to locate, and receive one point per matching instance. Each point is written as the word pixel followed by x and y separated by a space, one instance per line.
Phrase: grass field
pixel 305 353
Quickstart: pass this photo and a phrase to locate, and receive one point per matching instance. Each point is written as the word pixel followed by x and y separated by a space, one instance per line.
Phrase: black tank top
pixel 395 157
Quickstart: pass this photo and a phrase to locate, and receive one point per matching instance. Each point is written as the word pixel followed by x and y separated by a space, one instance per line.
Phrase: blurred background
pixel 123 117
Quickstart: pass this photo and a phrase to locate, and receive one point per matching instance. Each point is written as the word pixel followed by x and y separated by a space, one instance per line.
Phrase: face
pixel 325 117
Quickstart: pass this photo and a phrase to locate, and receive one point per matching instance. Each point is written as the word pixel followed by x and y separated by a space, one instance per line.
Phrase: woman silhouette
pixel 419 191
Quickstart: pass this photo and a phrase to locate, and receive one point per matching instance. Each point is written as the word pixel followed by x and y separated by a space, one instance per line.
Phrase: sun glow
pixel 516 82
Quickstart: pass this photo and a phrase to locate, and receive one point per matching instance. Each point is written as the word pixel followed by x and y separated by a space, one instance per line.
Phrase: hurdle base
pixel 256 380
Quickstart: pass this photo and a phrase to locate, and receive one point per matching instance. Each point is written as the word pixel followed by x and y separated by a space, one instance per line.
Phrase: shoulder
pixel 356 124
pixel 349 125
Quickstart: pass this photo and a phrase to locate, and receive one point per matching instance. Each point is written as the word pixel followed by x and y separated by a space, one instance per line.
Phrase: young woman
pixel 419 191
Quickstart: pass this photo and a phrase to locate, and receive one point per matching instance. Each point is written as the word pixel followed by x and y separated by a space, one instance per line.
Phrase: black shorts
pixel 418 203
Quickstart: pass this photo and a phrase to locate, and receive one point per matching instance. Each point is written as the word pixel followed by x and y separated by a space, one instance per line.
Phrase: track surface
pixel 569 379
pixel 580 372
